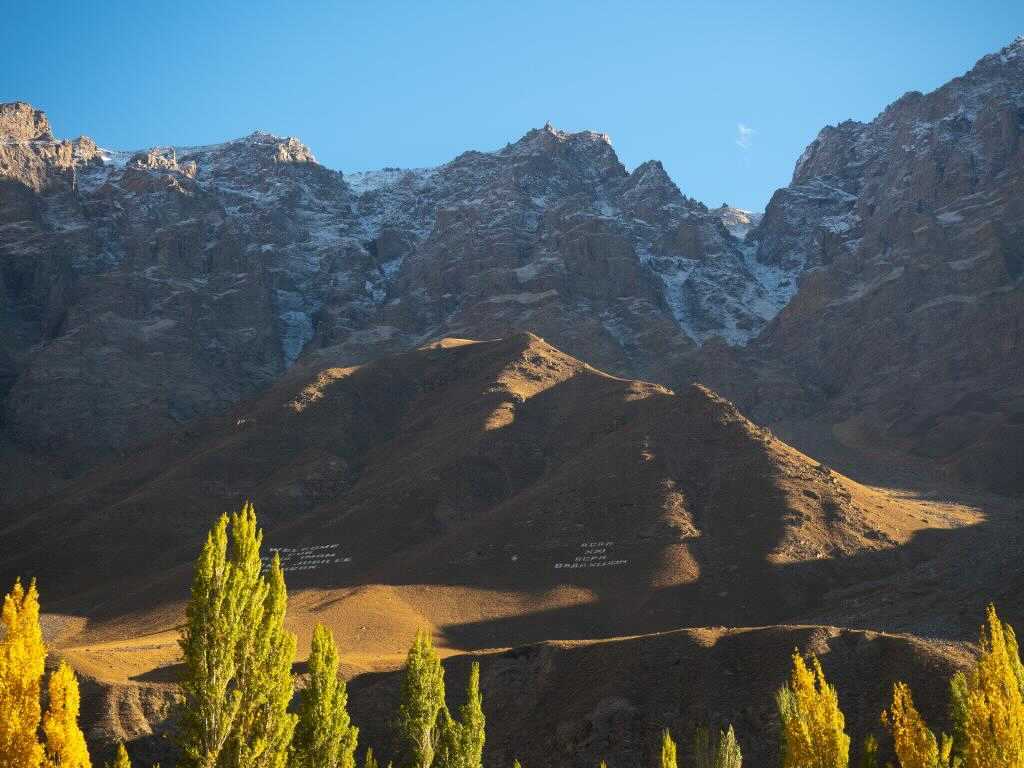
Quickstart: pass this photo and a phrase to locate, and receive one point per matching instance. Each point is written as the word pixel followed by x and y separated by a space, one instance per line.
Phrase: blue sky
pixel 726 95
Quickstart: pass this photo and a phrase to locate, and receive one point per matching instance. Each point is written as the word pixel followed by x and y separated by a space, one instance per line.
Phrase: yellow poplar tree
pixel 668 750
pixel 813 734
pixel 22 661
pixel 988 703
pixel 915 745
pixel 121 758
pixel 65 742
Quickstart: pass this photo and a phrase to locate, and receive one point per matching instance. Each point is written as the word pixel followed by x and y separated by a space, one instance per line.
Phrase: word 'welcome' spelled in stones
pixel 593 554
pixel 306 558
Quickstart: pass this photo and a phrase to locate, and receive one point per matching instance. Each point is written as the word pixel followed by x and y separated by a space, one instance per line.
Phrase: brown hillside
pixel 574 703
pixel 500 493
pixel 458 480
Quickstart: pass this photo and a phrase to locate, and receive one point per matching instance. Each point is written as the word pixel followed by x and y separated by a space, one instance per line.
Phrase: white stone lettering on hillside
pixel 594 554
pixel 306 558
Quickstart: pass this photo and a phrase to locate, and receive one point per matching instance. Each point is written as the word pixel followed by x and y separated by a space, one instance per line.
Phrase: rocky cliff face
pixel 908 329
pixel 144 289
pixel 140 290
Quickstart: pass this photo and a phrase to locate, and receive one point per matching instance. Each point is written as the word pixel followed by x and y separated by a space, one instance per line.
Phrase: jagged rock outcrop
pixel 144 289
pixel 908 329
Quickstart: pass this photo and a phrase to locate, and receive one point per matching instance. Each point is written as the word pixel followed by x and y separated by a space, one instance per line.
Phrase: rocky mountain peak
pixel 550 140
pixel 20 121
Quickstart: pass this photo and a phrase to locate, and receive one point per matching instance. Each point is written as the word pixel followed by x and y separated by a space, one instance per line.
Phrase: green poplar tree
pixel 263 733
pixel 460 743
pixel 422 701
pixel 325 736
pixel 237 680
pixel 473 721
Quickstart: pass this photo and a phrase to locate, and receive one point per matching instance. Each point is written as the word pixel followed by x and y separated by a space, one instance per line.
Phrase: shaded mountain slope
pixel 561 703
pixel 582 504
pixel 575 704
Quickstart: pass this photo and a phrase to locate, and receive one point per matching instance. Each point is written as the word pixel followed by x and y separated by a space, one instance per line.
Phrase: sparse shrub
pixel 869 752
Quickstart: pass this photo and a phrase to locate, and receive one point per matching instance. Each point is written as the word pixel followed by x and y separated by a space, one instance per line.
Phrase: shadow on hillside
pixel 434 489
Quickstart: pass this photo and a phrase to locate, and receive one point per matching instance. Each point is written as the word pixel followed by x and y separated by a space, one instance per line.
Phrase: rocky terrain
pixel 183 328
pixel 144 289
pixel 504 493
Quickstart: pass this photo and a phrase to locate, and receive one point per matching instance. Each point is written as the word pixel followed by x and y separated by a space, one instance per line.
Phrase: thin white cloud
pixel 744 136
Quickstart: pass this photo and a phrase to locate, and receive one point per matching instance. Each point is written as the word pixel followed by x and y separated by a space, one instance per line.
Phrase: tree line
pixel 239 707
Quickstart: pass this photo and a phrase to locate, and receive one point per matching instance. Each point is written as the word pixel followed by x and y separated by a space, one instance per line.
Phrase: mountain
pixel 184 328
pixel 146 289
pixel 503 493
pixel 907 332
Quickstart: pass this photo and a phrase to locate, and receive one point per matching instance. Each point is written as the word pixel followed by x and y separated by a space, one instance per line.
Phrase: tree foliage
pixel 237 681
pixel 915 745
pixel 422 700
pixel 121 758
pixel 869 752
pixel 987 704
pixel 721 752
pixel 668 750
pixel 324 736
pixel 813 726
pixel 22 662
pixel 65 742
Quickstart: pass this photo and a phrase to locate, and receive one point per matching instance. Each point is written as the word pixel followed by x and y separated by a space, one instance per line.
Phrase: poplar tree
pixel 473 721
pixel 915 745
pixel 448 741
pixel 121 758
pixel 723 752
pixel 65 742
pixel 22 662
pixel 237 655
pixel 369 761
pixel 813 734
pixel 988 702
pixel 324 735
pixel 668 750
pixel 728 754
pixel 460 743
pixel 869 752
pixel 422 700
pixel 263 733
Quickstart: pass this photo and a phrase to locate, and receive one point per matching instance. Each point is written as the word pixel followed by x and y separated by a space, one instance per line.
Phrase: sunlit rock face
pixel 881 289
